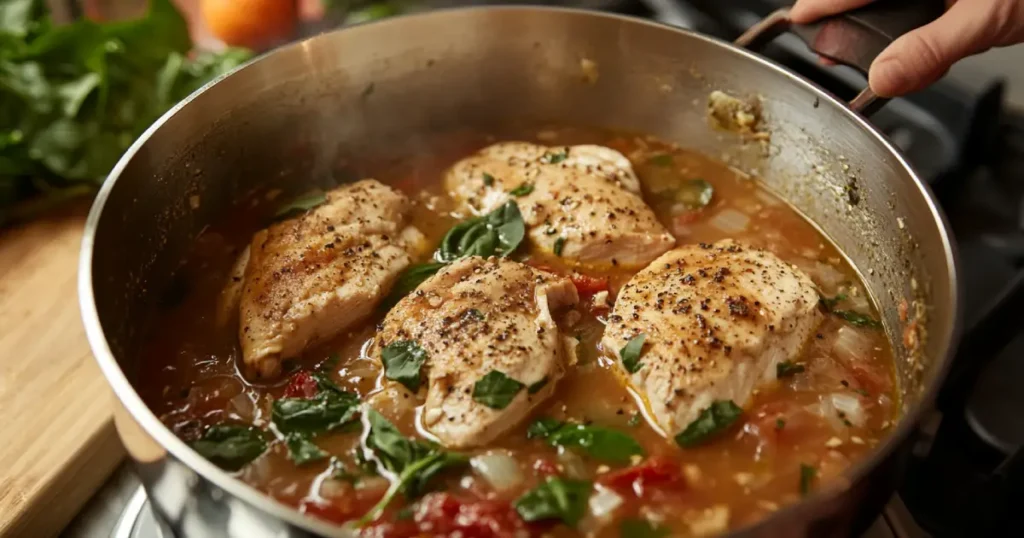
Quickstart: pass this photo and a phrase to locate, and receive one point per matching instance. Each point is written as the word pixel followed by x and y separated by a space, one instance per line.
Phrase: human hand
pixel 922 56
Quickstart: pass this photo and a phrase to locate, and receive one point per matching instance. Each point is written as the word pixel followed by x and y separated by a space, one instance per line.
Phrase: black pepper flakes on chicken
pixel 756 311
pixel 311 277
pixel 583 204
pixel 512 331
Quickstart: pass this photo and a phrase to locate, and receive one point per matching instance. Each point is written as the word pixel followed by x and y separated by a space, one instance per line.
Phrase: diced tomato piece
pixel 588 285
pixel 871 380
pixel 654 473
pixel 444 515
pixel 301 385
pixel 545 467
pixel 391 529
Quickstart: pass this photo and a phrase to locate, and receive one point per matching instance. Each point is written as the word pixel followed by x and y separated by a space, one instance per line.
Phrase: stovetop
pixel 963 479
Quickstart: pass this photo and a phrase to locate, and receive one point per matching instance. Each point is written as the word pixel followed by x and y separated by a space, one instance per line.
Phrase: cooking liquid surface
pixel 190 376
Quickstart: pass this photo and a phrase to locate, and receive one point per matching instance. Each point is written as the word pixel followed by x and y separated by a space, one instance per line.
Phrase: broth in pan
pixel 589 334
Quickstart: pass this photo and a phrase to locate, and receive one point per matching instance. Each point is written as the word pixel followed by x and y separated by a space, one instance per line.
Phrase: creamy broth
pixel 793 436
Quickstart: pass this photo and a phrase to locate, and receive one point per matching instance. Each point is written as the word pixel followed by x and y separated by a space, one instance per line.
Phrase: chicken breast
pixel 580 202
pixel 473 318
pixel 717 319
pixel 311 277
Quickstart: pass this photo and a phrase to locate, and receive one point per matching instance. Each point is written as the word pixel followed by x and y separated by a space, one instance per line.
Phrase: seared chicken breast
pixel 717 319
pixel 311 277
pixel 473 318
pixel 582 203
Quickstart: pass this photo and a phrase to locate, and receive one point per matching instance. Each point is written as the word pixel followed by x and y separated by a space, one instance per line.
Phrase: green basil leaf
pixel 830 303
pixel 535 388
pixel 542 428
pixel 554 157
pixel 711 422
pixel 488 180
pixel 599 442
pixel 663 159
pixel 409 280
pixel 807 476
pixel 403 362
pixel 301 450
pixel 557 498
pixel 630 353
pixel 522 190
pixel 559 246
pixel 496 390
pixel 641 528
pixel 230 447
pixel 788 368
pixel 857 319
pixel 497 233
pixel 694 193
pixel 414 463
pixel 331 409
pixel 301 204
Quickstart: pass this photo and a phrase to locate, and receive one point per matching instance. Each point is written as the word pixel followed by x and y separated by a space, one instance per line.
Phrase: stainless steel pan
pixel 385 88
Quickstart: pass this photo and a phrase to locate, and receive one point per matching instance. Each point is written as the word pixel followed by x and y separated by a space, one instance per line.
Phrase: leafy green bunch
pixel 74 97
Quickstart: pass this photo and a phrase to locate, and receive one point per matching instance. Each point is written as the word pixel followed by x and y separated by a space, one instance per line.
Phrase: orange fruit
pixel 250 23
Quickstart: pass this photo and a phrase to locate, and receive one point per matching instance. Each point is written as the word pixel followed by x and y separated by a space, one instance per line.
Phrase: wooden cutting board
pixel 57 439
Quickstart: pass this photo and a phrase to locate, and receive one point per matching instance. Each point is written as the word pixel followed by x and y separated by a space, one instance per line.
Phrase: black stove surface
pixel 966 476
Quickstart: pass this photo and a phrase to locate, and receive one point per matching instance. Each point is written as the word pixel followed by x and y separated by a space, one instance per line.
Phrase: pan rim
pixel 132 402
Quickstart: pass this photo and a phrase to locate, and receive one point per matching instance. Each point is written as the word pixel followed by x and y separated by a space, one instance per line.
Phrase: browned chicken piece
pixel 582 203
pixel 475 317
pixel 311 277
pixel 717 319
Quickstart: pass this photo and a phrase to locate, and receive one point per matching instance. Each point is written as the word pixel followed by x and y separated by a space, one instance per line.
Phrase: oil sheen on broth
pixel 829 407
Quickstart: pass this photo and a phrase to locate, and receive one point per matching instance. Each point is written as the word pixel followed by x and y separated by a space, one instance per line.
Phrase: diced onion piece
pixel 730 221
pixel 851 344
pixel 499 469
pixel 827 411
pixel 242 406
pixel 604 502
pixel 824 275
pixel 850 407
pixel 573 465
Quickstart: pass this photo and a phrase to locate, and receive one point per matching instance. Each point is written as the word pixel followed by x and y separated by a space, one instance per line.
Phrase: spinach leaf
pixel 554 157
pixel 230 447
pixel 641 528
pixel 535 388
pixel 853 318
pixel 542 428
pixel 73 97
pixel 630 353
pixel 788 368
pixel 711 422
pixel 497 233
pixel 403 361
pixel 300 204
pixel 301 450
pixel 557 498
pixel 663 159
pixel 330 409
pixel 409 280
pixel 599 442
pixel 522 190
pixel 694 193
pixel 413 463
pixel 807 476
pixel 496 390
pixel 857 319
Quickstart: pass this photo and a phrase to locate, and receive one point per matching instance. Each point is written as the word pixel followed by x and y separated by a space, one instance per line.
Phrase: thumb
pixel 922 56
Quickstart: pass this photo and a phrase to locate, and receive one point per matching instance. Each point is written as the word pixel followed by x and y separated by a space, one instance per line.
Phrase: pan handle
pixel 854 38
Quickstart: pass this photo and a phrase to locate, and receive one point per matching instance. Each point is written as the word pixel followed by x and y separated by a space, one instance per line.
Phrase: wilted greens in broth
pixel 586 460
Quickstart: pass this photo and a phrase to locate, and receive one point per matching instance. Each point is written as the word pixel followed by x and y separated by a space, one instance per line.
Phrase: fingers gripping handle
pixel 854 38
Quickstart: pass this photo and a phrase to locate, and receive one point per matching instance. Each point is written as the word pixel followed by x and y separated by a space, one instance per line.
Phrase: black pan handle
pixel 854 38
